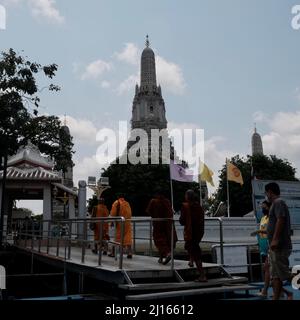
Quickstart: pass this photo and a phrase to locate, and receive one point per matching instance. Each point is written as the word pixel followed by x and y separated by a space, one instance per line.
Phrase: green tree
pixel 19 103
pixel 19 99
pixel 50 137
pixel 264 168
pixel 139 183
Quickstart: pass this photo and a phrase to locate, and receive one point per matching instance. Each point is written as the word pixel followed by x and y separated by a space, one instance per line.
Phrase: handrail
pixel 30 233
pixel 44 233
pixel 83 237
pixel 146 219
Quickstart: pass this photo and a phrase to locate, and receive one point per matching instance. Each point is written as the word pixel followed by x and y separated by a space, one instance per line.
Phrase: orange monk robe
pixel 124 211
pixel 101 211
pixel 160 207
pixel 192 218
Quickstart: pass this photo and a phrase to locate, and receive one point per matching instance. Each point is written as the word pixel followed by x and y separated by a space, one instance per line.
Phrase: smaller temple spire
pixel 148 73
pixel 257 146
pixel 147 41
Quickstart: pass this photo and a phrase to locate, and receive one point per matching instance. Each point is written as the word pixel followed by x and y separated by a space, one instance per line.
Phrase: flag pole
pixel 228 203
pixel 200 191
pixel 252 189
pixel 200 182
pixel 171 187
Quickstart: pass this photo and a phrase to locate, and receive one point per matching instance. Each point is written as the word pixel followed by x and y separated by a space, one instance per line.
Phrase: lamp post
pixel 100 187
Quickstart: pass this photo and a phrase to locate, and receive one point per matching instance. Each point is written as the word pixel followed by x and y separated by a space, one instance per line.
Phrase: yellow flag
pixel 205 173
pixel 234 174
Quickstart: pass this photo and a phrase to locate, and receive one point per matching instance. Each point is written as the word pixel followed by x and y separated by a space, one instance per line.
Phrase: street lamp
pixel 100 187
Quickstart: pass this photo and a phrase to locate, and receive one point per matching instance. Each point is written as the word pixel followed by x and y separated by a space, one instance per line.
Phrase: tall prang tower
pixel 148 107
pixel 256 142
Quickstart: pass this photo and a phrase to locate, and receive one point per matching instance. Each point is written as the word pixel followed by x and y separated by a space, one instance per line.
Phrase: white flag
pixel 179 173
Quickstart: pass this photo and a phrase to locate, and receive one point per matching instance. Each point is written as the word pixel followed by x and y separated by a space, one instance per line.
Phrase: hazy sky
pixel 222 65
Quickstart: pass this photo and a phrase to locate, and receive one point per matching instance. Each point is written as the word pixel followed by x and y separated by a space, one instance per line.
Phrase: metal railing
pixel 150 237
pixel 150 221
pixel 60 233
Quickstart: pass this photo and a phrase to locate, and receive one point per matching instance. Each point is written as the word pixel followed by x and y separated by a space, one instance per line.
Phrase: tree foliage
pixel 264 168
pixel 19 103
pixel 139 183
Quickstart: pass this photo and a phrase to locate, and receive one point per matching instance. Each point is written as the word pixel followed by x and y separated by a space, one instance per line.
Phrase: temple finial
pixel 255 127
pixel 147 41
pixel 65 120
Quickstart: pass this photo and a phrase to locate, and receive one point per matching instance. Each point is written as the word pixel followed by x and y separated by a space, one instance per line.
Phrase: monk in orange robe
pixel 160 207
pixel 192 218
pixel 122 208
pixel 100 211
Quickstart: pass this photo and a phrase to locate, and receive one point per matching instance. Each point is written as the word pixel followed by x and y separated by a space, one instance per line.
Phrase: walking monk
pixel 192 217
pixel 122 208
pixel 160 207
pixel 100 211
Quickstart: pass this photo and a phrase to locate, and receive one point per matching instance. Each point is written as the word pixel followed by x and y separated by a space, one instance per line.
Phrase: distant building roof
pixel 36 173
pixel 30 156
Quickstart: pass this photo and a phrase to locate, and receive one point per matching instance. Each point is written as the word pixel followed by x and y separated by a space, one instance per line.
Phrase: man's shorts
pixel 279 264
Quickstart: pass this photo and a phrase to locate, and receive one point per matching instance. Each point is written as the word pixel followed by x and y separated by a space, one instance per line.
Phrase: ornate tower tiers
pixel 256 142
pixel 148 108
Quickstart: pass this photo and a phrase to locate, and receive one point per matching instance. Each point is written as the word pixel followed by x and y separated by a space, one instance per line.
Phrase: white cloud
pixel 130 54
pixel 286 122
pixel 36 206
pixel 170 76
pixel 86 166
pixel 259 116
pixel 82 130
pixel 128 84
pixel 11 2
pixel 41 9
pixel 181 126
pixel 285 146
pixel 46 9
pixel 283 139
pixel 105 84
pixel 95 69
